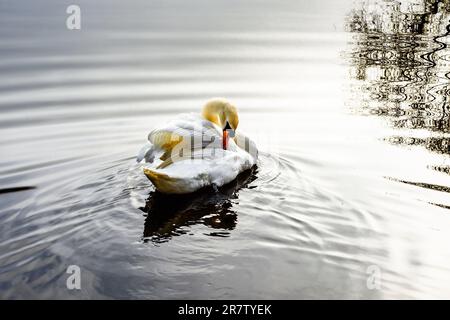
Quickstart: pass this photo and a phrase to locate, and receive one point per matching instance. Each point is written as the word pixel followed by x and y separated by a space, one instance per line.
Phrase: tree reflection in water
pixel 401 63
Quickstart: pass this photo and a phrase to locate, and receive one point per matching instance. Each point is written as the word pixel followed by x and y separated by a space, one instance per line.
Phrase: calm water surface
pixel 348 102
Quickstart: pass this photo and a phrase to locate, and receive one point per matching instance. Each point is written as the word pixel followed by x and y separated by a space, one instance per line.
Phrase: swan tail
pixel 155 177
pixel 161 181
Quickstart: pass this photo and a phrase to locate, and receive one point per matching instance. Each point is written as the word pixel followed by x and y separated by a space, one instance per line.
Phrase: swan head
pixel 222 113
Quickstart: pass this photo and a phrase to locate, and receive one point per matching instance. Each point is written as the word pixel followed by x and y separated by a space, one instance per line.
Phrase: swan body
pixel 194 151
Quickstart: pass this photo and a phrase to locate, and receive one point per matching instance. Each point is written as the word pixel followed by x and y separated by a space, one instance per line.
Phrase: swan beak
pixel 225 140
pixel 227 134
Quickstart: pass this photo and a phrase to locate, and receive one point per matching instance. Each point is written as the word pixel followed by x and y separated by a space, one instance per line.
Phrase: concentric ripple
pixel 307 222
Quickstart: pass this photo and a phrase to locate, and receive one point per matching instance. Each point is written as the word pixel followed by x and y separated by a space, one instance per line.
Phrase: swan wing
pixel 184 137
pixel 185 126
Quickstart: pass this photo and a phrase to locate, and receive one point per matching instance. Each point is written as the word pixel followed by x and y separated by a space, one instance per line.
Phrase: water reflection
pixel 170 215
pixel 401 63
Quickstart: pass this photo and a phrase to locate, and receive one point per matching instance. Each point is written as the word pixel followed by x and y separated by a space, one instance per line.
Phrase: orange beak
pixel 225 140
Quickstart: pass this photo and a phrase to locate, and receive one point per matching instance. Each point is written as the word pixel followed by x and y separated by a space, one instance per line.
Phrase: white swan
pixel 193 151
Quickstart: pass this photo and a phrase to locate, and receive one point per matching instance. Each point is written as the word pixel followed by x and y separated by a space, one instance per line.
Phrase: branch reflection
pixel 400 64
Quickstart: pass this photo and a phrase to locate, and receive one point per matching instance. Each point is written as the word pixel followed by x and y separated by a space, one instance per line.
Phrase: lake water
pixel 348 102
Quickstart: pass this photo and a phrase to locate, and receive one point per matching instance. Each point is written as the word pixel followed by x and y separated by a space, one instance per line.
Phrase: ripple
pixel 77 105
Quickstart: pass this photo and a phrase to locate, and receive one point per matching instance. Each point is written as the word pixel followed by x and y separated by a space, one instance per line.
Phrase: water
pixel 346 100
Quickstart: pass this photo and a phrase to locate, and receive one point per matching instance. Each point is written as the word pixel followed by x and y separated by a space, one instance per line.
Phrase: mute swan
pixel 194 151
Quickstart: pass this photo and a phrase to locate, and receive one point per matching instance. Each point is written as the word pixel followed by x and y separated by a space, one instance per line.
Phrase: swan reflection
pixel 173 215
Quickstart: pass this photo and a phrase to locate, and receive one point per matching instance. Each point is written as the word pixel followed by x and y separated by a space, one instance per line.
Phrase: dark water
pixel 348 103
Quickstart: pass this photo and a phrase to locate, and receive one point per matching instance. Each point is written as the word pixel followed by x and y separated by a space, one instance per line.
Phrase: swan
pixel 194 151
